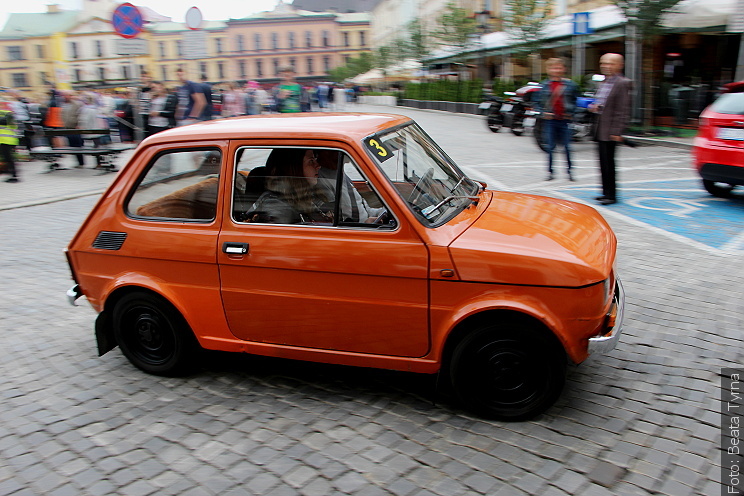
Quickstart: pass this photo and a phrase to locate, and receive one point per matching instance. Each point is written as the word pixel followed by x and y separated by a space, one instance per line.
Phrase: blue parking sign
pixel 581 23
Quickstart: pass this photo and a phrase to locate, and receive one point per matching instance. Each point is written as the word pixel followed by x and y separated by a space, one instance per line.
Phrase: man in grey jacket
pixel 612 105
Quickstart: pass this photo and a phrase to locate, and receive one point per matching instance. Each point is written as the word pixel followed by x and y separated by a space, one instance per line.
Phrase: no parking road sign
pixel 127 20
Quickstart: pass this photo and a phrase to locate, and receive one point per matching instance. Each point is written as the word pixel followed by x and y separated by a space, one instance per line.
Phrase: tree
pixel 353 67
pixel 456 29
pixel 419 42
pixel 525 21
pixel 643 25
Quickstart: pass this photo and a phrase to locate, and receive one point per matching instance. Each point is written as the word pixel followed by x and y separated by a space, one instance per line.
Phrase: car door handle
pixel 233 248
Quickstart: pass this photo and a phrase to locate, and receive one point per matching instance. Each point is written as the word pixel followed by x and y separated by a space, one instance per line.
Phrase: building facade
pixel 79 49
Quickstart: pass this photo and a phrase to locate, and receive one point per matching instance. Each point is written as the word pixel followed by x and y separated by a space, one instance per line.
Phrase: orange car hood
pixel 534 240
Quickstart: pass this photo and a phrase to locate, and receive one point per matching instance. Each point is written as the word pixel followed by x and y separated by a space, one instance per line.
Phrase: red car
pixel 718 149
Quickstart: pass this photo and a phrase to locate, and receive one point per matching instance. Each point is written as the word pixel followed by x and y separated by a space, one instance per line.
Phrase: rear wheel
pixel 494 119
pixel 721 190
pixel 153 335
pixel 517 126
pixel 511 372
pixel 540 135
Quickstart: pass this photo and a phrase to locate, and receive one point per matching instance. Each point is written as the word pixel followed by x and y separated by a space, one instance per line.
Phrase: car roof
pixel 315 125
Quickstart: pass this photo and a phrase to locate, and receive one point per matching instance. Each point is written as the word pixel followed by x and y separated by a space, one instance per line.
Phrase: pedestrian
pixel 556 102
pixel 191 100
pixel 19 106
pixel 144 97
pixel 92 118
pixel 8 142
pixel 339 98
pixel 233 101
pixel 71 110
pixel 322 92
pixel 162 109
pixel 207 113
pixel 612 105
pixel 288 92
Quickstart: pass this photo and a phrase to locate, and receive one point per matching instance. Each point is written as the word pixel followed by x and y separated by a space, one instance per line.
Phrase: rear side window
pixel 729 103
pixel 179 185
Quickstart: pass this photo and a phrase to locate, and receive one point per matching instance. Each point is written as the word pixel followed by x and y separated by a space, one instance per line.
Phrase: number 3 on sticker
pixel 378 149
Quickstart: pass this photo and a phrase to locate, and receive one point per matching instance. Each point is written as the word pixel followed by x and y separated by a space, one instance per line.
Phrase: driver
pixel 354 208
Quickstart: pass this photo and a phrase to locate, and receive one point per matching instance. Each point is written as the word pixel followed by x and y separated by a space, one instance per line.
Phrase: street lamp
pixel 481 20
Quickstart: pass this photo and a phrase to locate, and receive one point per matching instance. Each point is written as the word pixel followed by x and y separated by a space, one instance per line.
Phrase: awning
pixel 700 14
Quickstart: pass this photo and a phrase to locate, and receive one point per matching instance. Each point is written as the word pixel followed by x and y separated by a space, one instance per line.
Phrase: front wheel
pixel 153 335
pixel 721 190
pixel 508 373
pixel 517 126
pixel 539 133
pixel 494 119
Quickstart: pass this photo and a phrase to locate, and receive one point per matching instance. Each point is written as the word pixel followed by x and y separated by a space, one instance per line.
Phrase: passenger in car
pixel 354 208
pixel 292 195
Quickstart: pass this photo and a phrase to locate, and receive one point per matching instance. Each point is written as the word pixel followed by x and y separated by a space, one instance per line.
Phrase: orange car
pixel 349 239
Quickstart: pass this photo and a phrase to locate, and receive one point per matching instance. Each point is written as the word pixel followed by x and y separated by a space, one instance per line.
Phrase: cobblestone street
pixel 643 419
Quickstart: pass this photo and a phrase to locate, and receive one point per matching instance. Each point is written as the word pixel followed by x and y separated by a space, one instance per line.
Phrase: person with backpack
pixel 8 141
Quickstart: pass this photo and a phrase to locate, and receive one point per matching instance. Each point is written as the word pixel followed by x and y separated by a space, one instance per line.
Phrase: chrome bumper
pixel 73 294
pixel 607 342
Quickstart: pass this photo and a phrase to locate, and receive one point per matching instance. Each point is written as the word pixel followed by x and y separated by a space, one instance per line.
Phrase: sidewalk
pixel 37 186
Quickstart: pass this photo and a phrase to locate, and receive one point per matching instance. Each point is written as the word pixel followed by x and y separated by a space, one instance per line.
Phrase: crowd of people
pixel 131 114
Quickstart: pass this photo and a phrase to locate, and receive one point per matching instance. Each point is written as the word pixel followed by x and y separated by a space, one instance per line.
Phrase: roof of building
pixel 340 6
pixel 39 24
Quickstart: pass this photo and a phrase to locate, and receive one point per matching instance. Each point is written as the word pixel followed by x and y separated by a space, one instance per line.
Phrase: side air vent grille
pixel 107 240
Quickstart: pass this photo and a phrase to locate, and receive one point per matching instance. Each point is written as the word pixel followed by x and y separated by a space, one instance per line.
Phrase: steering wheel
pixel 384 217
pixel 418 189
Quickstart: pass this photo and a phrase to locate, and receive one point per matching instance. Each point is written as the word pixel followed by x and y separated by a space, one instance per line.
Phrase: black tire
pixel 517 126
pixel 494 120
pixel 540 135
pixel 721 190
pixel 510 372
pixel 152 335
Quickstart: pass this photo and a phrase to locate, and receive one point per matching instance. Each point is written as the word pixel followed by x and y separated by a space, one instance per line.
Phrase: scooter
pixel 582 125
pixel 518 114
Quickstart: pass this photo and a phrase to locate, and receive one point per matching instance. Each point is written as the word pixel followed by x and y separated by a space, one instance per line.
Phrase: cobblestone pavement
pixel 641 420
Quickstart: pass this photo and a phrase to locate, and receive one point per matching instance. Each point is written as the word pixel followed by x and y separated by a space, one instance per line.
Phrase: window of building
pixel 180 184
pixel 161 45
pixel 77 75
pixel 362 38
pixel 274 41
pixel 101 73
pixel 203 70
pixel 179 48
pixel 291 40
pixel 163 73
pixel 218 45
pixel 257 42
pixel 259 69
pixel 345 36
pixel 43 78
pixel 326 39
pixel 220 70
pixel 125 72
pixel 241 68
pixel 310 69
pixel 74 50
pixel 308 39
pixel 98 48
pixel 276 67
pixel 293 64
pixel 40 51
pixel 347 58
pixel 19 80
pixel 15 53
pixel 239 43
pixel 326 64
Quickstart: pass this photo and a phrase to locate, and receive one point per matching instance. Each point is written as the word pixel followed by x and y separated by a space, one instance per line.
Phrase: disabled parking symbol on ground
pixel 680 208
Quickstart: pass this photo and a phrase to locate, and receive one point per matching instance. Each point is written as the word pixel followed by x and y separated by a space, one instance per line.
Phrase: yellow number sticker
pixel 378 149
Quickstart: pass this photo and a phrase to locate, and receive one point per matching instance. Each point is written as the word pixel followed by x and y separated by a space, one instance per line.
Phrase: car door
pixel 351 288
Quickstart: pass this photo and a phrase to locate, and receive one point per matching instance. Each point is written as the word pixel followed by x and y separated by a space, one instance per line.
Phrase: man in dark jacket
pixel 612 105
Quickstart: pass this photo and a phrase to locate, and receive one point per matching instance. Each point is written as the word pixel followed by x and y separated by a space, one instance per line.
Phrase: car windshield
pixel 424 176
pixel 729 103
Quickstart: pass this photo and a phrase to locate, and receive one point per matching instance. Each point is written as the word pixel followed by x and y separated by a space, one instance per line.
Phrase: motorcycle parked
pixel 491 108
pixel 518 113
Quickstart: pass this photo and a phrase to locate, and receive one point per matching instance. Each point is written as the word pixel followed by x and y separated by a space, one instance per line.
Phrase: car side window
pixel 179 185
pixel 298 186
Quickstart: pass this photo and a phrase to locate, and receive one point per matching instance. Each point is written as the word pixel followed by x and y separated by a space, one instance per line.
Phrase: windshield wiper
pixel 429 210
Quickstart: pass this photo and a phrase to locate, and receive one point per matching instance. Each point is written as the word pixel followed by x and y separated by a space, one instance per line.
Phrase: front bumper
pixel 73 294
pixel 607 341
